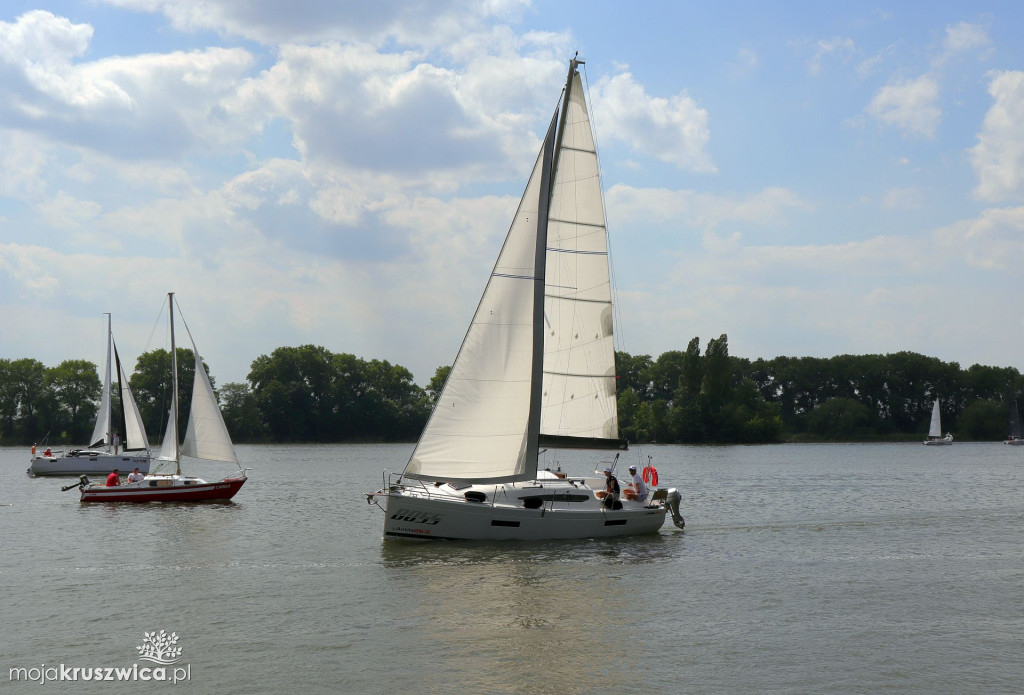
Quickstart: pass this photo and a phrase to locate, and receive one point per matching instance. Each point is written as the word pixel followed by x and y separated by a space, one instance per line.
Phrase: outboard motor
pixel 82 482
pixel 672 500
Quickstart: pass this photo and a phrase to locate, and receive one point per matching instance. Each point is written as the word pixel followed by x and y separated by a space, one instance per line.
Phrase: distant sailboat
pixel 536 370
pixel 103 454
pixel 935 437
pixel 1015 438
pixel 206 437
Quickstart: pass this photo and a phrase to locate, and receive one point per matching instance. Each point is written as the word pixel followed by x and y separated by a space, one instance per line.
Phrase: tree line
pixel 689 397
pixel 310 394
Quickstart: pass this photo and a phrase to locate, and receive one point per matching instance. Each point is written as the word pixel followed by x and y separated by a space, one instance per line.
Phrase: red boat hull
pixel 205 492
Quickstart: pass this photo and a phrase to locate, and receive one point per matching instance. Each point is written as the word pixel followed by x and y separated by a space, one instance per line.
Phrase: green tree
pixel 241 413
pixel 76 387
pixel 840 419
pixel 437 382
pixel 983 421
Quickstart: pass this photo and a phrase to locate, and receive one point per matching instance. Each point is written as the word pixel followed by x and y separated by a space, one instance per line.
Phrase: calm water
pixel 803 569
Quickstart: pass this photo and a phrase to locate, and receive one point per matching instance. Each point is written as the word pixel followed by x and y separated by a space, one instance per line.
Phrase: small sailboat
pixel 103 453
pixel 935 437
pixel 206 437
pixel 1016 437
pixel 536 370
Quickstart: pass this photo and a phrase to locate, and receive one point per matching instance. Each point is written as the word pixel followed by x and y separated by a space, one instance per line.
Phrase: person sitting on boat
pixel 611 490
pixel 135 476
pixel 114 479
pixel 638 485
pixel 47 453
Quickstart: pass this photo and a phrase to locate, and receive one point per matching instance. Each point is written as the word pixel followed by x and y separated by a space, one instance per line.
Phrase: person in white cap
pixel 638 485
pixel 611 488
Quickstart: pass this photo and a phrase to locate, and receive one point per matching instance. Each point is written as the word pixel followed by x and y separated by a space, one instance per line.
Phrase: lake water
pixel 879 568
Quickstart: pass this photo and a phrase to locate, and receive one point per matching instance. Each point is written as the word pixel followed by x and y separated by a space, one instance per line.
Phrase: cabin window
pixel 500 522
pixel 615 522
pixel 475 496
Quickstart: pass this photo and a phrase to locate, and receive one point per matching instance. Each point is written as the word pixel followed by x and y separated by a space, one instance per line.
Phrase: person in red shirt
pixel 114 479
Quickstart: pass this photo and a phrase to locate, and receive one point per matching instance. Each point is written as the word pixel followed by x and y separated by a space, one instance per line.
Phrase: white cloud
pixel 909 105
pixel 998 158
pixel 962 36
pixel 828 48
pixel 411 22
pixel 674 130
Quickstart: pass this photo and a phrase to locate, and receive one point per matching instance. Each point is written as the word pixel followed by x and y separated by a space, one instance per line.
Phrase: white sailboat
pixel 536 369
pixel 206 437
pixel 103 453
pixel 1016 437
pixel 935 437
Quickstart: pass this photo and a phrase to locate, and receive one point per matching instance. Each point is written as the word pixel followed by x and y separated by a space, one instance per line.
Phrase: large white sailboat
pixel 536 370
pixel 935 437
pixel 104 453
pixel 206 437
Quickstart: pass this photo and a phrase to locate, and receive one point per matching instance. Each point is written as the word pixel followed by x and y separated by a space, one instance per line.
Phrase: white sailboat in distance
pixel 935 437
pixel 103 453
pixel 535 370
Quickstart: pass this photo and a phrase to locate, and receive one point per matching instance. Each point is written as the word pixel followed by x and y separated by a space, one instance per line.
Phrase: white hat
pixel 607 470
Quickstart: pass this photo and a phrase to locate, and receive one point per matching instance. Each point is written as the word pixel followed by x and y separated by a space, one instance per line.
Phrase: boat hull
pixel 938 442
pixel 93 463
pixel 176 492
pixel 1014 442
pixel 413 516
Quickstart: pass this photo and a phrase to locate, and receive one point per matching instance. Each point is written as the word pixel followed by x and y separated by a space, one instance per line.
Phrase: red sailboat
pixel 206 437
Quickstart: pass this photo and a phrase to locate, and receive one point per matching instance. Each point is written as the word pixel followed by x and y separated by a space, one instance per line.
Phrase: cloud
pixel 408 22
pixel 827 48
pixel 909 105
pixel 673 130
pixel 962 36
pixel 998 158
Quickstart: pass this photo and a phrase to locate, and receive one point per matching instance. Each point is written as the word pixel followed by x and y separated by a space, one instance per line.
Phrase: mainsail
pixel 579 354
pixel 101 431
pixel 935 429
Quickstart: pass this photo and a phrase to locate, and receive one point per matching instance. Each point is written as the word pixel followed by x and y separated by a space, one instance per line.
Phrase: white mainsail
pixel 579 353
pixel 935 429
pixel 101 431
pixel 206 436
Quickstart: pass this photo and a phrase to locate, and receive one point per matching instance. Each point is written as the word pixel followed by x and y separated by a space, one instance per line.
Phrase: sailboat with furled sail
pixel 206 437
pixel 536 370
pixel 104 452
pixel 1016 436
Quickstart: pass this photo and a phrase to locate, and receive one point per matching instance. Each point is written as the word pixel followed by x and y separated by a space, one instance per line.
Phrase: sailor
pixel 611 488
pixel 114 479
pixel 135 476
pixel 638 485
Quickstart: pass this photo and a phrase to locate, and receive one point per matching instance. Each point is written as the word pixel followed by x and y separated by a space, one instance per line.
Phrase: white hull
pixel 89 463
pixel 444 512
pixel 1014 442
pixel 946 441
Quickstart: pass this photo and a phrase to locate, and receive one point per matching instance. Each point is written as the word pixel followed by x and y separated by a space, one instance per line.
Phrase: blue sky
pixel 809 178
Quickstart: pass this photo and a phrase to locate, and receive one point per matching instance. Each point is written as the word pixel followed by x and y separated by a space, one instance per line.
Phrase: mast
pixel 174 385
pixel 106 387
pixel 539 273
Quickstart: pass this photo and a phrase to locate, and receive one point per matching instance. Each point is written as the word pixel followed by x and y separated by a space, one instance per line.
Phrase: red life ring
pixel 651 475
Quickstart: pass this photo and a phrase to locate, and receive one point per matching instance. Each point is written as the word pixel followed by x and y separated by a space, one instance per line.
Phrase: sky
pixel 810 178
